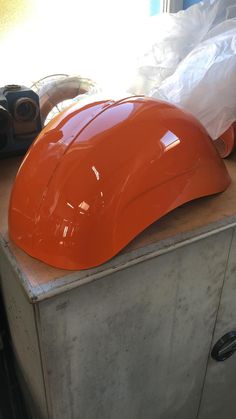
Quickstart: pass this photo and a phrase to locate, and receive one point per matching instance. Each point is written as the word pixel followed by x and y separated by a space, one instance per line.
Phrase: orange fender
pixel 97 176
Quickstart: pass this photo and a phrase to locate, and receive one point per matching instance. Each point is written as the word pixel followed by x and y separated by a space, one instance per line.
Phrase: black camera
pixel 20 120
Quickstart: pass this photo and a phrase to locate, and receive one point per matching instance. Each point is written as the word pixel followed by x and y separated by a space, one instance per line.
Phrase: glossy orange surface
pixel 97 176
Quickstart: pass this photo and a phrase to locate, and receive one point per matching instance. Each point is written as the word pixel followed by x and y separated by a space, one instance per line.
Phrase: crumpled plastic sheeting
pixel 231 12
pixel 226 26
pixel 204 82
pixel 170 37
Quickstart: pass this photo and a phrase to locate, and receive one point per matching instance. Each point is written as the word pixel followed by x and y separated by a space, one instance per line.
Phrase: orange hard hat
pixel 97 176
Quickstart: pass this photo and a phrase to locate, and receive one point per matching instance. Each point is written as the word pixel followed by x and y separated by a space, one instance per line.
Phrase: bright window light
pixel 96 38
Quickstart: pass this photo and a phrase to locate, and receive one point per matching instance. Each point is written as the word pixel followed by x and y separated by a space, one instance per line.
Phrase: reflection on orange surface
pixel 169 140
pixel 13 12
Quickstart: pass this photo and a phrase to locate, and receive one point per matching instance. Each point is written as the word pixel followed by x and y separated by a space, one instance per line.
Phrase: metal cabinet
pixel 218 400
pixel 132 344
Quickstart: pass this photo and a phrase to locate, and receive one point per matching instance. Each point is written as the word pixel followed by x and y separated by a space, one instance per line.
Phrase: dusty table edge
pixel 78 278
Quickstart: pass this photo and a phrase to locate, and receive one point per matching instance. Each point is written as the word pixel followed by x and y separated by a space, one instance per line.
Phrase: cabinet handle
pixel 224 347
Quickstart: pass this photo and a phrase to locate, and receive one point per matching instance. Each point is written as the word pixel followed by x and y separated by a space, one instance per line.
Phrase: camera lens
pixel 26 109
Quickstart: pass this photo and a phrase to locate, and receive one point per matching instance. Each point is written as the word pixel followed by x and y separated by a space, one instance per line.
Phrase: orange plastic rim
pixel 225 144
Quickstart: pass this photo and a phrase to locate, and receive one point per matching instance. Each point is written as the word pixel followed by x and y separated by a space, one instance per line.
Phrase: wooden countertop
pixel 188 223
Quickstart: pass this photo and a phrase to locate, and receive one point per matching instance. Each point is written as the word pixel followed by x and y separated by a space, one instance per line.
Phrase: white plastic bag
pixel 221 28
pixel 168 38
pixel 204 82
pixel 224 11
pixel 231 12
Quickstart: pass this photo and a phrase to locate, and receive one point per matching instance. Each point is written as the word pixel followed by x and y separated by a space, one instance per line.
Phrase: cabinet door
pixel 134 345
pixel 219 395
